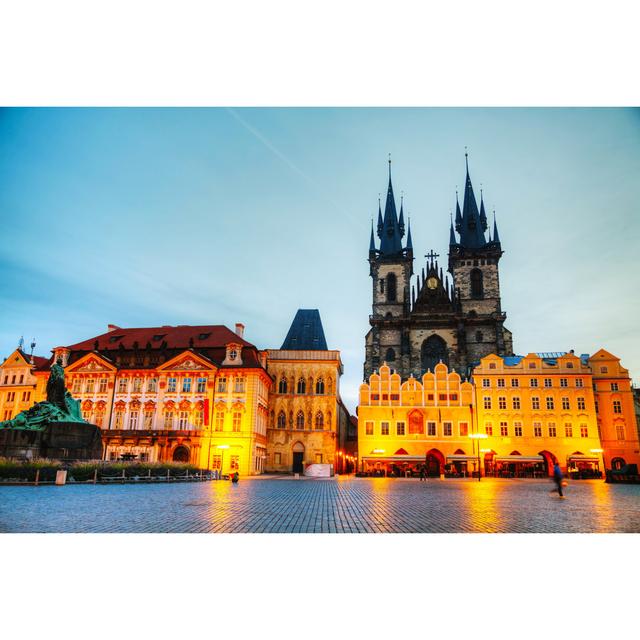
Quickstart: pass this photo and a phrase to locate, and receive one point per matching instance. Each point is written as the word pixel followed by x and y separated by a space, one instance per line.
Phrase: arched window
pixel 479 336
pixel 282 385
pixel 617 463
pixel 477 288
pixel 391 287
pixel 282 420
pixel 390 356
pixel 320 387
pixel 300 420
pixel 302 386
pixel 434 349
pixel 319 421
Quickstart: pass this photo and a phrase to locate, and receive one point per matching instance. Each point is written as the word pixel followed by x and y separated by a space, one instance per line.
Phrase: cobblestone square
pixel 340 505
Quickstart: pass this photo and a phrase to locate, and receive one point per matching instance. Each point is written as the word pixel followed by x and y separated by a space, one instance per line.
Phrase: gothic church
pixel 416 325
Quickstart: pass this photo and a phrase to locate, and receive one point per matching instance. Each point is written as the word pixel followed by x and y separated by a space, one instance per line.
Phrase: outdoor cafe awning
pixel 582 458
pixel 382 458
pixel 518 459
pixel 458 457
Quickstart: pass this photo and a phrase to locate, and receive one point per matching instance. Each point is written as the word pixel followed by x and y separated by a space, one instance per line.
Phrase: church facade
pixel 417 323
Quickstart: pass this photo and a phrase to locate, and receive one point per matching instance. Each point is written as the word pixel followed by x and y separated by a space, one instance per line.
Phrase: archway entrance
pixel 298 458
pixel 433 350
pixel 549 461
pixel 181 454
pixel 434 463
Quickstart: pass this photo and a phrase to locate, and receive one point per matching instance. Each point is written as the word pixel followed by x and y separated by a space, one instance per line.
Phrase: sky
pixel 150 216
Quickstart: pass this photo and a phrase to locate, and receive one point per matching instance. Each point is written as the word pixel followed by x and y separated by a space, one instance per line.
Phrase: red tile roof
pixel 38 361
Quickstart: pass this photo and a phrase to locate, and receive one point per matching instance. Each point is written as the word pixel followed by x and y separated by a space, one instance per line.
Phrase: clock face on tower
pixel 432 282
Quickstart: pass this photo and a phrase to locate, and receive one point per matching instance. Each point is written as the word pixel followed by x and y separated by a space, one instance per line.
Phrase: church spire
pixel 380 225
pixel 401 219
pixel 452 235
pixel 372 244
pixel 458 214
pixel 471 233
pixel 483 215
pixel 390 240
pixel 496 237
pixel 409 246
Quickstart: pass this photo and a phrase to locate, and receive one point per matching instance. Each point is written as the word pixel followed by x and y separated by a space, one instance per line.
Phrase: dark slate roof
pixel 306 332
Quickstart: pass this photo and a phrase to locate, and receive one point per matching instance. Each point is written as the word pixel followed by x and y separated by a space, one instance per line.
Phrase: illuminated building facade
pixel 20 386
pixel 307 419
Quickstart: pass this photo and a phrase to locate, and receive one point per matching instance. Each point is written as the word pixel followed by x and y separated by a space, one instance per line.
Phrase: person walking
pixel 557 478
pixel 422 474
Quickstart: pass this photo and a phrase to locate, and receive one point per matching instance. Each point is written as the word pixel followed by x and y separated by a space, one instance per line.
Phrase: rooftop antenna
pixel 21 343
pixel 33 346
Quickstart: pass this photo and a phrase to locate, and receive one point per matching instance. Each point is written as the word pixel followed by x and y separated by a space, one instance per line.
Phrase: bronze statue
pixel 55 386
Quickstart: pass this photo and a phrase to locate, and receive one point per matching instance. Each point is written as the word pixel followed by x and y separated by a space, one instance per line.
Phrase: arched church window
pixel 320 387
pixel 319 421
pixel 282 420
pixel 302 386
pixel 479 336
pixel 477 288
pixel 390 356
pixel 282 385
pixel 300 420
pixel 434 350
pixel 391 287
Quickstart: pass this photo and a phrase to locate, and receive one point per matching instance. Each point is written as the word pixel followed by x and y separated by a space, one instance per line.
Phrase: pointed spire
pixel 496 237
pixel 471 233
pixel 401 218
pixel 372 244
pixel 483 215
pixel 452 234
pixel 390 239
pixel 409 246
pixel 380 225
pixel 458 214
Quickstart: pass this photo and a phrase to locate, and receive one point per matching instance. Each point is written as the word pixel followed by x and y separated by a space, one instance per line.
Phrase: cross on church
pixel 432 255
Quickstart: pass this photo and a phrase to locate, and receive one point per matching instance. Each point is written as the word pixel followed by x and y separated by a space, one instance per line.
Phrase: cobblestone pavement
pixel 343 505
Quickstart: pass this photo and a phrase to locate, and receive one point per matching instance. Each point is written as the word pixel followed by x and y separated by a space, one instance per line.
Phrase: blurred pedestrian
pixel 557 478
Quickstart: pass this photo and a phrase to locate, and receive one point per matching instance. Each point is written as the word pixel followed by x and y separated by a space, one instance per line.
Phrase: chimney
pixel 112 327
pixel 239 329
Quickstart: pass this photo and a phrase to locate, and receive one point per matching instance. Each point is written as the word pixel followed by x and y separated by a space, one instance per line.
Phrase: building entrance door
pixel 298 457
pixel 433 466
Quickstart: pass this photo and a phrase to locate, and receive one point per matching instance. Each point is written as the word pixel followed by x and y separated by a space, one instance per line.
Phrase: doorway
pixel 298 457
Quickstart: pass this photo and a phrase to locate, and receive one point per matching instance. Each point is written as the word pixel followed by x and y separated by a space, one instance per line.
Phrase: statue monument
pixel 52 428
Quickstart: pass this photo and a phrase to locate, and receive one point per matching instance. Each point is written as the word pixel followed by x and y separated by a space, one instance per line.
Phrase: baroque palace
pixel 201 394
pixel 443 390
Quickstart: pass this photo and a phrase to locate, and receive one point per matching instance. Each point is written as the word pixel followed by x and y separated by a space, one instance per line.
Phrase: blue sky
pixel 142 217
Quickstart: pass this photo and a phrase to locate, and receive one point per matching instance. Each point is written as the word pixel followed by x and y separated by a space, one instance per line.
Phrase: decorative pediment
pixel 188 361
pixel 169 405
pixel 91 363
pixel 185 405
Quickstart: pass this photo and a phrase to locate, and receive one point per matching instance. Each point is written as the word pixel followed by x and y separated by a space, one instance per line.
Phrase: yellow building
pixel 307 420
pixel 617 421
pixel 20 387
pixel 402 426
pixel 537 410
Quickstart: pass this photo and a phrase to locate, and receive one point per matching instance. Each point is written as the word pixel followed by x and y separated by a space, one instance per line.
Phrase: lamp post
pixel 478 436
pixel 222 447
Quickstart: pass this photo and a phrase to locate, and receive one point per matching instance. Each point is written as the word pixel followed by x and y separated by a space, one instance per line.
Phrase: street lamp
pixel 478 436
pixel 222 447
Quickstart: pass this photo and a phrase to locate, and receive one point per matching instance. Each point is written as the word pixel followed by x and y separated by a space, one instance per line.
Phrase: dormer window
pixel 234 355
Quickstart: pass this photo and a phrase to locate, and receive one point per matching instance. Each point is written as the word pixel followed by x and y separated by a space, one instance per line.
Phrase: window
pixel 569 365
pixel 617 406
pixel 500 382
pixel 222 385
pixel 236 421
pixel 137 385
pixel 384 428
pixel 563 382
pixel 547 382
pixel 277 458
pixel 11 396
pixel 447 429
pixel 515 402
pixel 99 419
pixel 6 379
pixel 198 418
pixel 152 385
pixel 568 430
pixel 219 425
pixel 123 385
pixel 390 356
pixel 431 428
pixel 319 421
pixel 614 386
pixel 502 402
pixel 318 458
pixel 368 428
pixel 537 430
pixel 620 431
pixel 77 385
pixel 282 420
pixel 486 382
pixel 487 402
pixel 533 382
pixel 552 429
pixel 172 384
pixel 604 370
pixel 102 385
pixel 239 385
pixel 300 420
pixel 202 385
pixel 320 387
pixel 148 419
pixel 565 404
pixel 302 386
pixel 515 382
pixel 13 379
pixel 183 419
pixel 584 431
pixel 517 428
pixel 391 287
pixel 488 429
pixel 26 396
pixel 282 385
pixel 216 463
pixel 119 419
pixel 7 414
pixel 464 429
pixel 168 420
pixel 532 365
pixel 550 404
pixel 581 404
pixel 234 463
pixel 91 383
pixel 579 382
pixel 535 402
pixel 442 397
pixel 186 385
pixel 381 285
pixel 492 365
pixel 504 429
pixel 400 428
pixel 476 283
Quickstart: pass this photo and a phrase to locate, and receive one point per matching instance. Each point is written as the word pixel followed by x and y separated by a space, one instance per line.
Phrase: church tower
pixel 473 263
pixel 390 268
